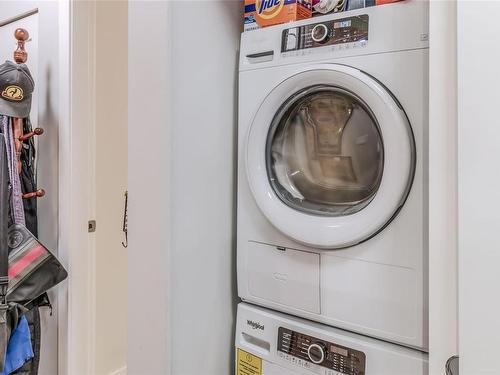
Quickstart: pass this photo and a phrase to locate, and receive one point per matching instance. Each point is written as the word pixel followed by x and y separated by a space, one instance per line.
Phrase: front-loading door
pixel 330 156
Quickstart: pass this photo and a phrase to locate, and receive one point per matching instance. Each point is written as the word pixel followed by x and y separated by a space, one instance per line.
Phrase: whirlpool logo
pixel 267 9
pixel 255 325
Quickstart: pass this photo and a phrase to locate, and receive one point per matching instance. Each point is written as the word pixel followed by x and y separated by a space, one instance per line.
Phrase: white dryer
pixel 332 181
pixel 272 343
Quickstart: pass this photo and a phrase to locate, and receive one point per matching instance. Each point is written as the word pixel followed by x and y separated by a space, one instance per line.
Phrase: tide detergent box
pixel 262 13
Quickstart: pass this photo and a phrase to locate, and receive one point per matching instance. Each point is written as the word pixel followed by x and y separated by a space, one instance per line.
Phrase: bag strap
pixel 16 200
pixel 4 221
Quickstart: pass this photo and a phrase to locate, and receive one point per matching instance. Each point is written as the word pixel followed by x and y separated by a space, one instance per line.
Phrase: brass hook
pixel 35 194
pixel 36 131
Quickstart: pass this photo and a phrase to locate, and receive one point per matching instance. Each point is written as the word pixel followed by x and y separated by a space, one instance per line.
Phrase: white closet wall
pixel 478 186
pixel 204 104
pixel 182 127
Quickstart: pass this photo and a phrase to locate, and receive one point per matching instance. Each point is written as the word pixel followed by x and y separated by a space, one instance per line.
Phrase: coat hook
pixel 20 57
pixel 125 221
pixel 38 194
pixel 36 131
pixel 20 54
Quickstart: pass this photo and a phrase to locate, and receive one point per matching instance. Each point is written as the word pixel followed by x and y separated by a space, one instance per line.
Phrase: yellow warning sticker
pixel 248 364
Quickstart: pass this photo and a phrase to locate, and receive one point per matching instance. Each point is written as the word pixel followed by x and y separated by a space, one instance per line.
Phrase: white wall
pixel 182 129
pixel 149 172
pixel 204 102
pixel 478 58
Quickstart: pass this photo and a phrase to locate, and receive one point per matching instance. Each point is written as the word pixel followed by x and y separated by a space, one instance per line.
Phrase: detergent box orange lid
pixel 262 13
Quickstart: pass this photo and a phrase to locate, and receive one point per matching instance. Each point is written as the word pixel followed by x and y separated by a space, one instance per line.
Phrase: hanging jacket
pixel 28 184
pixel 5 317
pixel 25 183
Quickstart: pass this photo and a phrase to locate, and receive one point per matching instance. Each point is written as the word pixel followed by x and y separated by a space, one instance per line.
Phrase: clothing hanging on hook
pixel 15 184
pixel 28 180
pixel 16 89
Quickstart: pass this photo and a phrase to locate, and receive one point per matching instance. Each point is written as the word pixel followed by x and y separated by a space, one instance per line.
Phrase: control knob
pixel 319 33
pixel 316 353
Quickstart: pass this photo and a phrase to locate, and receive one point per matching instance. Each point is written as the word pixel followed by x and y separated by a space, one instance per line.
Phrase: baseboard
pixel 120 371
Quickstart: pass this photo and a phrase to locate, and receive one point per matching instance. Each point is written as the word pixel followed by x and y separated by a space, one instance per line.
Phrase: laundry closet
pixel 298 277
pixel 264 187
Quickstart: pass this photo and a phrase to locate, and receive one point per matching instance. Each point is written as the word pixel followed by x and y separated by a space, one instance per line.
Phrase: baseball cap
pixel 16 88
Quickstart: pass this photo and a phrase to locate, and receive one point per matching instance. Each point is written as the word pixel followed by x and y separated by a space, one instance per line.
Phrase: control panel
pixel 340 31
pixel 304 350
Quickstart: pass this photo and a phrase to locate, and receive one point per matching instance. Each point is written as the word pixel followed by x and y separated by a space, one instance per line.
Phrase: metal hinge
pixel 92 226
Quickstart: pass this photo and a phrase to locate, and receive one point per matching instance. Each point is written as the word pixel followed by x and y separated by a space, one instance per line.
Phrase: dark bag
pixel 31 266
pixel 33 269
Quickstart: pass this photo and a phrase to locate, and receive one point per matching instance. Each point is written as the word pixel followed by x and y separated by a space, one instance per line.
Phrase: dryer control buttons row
pixel 294 360
pixel 304 350
pixel 336 49
pixel 328 33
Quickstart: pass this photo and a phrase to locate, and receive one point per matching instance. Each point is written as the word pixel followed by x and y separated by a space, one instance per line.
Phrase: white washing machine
pixel 332 181
pixel 272 343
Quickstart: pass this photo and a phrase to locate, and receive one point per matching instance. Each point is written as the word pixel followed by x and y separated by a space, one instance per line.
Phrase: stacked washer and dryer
pixel 333 194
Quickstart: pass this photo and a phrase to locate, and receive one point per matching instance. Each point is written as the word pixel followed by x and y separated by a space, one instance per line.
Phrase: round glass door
pixel 330 156
pixel 324 152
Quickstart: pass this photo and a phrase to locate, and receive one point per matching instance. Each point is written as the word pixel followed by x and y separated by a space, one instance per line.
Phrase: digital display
pixel 341 351
pixel 339 25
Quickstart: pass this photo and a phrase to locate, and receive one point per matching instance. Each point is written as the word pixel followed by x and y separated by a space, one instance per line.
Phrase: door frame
pixel 77 186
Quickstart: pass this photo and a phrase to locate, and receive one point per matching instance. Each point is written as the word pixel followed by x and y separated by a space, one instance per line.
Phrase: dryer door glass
pixel 325 154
